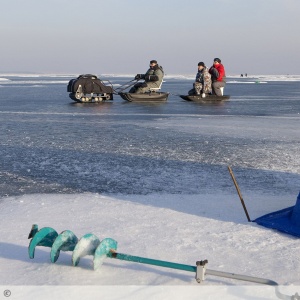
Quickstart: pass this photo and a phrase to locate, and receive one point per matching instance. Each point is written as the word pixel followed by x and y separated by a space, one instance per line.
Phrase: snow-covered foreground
pixel 177 228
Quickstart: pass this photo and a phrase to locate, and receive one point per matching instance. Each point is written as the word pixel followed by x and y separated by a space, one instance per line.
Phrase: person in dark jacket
pixel 152 79
pixel 202 84
pixel 217 72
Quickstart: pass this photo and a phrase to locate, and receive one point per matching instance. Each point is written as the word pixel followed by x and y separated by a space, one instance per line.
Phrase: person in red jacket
pixel 217 73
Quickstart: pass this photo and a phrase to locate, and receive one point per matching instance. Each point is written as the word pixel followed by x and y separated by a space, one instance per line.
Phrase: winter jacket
pixel 204 77
pixel 217 72
pixel 155 74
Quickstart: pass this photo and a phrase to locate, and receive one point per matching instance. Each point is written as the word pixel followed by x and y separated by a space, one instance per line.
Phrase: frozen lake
pixel 154 177
pixel 49 144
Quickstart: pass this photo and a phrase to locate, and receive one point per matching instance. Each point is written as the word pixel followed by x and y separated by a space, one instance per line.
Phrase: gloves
pixel 203 95
pixel 138 76
pixel 151 78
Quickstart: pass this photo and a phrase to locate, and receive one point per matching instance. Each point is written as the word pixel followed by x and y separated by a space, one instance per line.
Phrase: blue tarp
pixel 286 220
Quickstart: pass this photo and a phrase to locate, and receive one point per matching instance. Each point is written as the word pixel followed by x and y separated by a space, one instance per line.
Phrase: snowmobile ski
pixel 145 97
pixel 208 98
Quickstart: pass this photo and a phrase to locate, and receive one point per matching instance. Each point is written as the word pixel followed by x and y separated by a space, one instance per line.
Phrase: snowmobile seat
pixel 156 89
pixel 222 90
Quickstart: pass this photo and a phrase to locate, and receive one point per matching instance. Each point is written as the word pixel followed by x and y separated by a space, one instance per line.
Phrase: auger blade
pixel 66 241
pixel 102 250
pixel 44 237
pixel 33 231
pixel 86 246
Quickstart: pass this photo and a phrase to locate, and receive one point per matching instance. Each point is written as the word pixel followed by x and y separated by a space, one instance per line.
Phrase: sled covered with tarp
pixel 89 88
pixel 286 220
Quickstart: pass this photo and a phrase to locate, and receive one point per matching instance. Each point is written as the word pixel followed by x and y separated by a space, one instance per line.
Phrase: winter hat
pixel 217 60
pixel 201 63
pixel 153 61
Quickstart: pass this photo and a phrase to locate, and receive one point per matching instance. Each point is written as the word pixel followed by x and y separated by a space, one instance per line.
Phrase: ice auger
pixel 90 244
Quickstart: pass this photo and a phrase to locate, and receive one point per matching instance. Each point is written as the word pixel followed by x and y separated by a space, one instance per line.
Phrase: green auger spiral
pixel 89 244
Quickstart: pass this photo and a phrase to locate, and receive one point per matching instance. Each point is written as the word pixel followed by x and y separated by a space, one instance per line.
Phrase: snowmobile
pixel 153 95
pixel 208 98
pixel 89 88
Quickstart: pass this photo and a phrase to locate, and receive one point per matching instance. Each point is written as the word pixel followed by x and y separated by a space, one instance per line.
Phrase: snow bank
pixel 177 228
pixel 209 227
pixel 267 77
pixel 257 77
pixel 246 82
pixel 10 82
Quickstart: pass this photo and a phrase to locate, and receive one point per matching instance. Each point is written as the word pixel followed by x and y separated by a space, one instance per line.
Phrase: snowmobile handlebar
pixel 126 86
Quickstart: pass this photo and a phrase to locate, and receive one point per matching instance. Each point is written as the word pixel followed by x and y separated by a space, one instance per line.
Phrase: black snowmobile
pixel 89 88
pixel 153 95
pixel 208 98
pixel 150 96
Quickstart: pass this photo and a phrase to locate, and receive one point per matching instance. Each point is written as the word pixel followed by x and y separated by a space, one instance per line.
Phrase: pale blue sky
pixel 121 36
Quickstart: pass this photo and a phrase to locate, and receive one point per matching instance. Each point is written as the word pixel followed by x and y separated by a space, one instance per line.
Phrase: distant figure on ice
pixel 246 74
pixel 242 75
pixel 152 78
pixel 217 72
pixel 202 84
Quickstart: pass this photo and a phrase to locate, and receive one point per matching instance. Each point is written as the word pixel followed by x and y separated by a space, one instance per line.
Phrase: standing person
pixel 152 78
pixel 217 72
pixel 202 84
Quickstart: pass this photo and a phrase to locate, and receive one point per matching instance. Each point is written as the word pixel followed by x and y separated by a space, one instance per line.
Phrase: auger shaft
pixel 172 265
pixel 155 262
